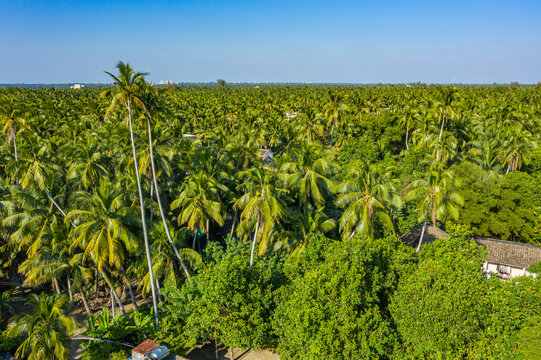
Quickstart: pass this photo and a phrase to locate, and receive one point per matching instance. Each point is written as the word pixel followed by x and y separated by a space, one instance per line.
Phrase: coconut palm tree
pixel 10 117
pixel 366 195
pixel 261 201
pixel 308 172
pixel 101 229
pixel 150 99
pixel 334 110
pixel 200 202
pixel 434 196
pixel 127 94
pixel 46 329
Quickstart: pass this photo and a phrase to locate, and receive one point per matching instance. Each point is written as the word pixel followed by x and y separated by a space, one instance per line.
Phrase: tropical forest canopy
pixel 98 185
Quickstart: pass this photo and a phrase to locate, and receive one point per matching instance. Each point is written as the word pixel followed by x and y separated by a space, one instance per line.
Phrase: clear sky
pixel 465 41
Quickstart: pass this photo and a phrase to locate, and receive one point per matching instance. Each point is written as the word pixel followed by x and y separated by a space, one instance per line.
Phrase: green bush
pixel 227 301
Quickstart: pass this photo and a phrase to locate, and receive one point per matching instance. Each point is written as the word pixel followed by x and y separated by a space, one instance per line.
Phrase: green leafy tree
pixel 335 308
pixel 442 307
pixel 229 301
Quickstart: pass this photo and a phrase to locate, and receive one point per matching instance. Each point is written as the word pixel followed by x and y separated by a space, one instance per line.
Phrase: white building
pixel 77 86
pixel 508 259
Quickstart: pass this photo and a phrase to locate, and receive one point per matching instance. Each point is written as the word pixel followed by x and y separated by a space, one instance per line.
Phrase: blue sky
pixel 473 41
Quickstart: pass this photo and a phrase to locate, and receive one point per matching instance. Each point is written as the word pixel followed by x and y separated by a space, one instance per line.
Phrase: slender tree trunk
pixel 129 288
pixel 151 198
pixel 255 240
pixel 441 129
pixel 112 304
pixel 85 301
pixel 15 142
pixel 101 339
pixel 158 198
pixel 423 231
pixel 407 136
pixel 57 206
pixel 194 238
pixel 113 291
pixel 234 221
pixel 332 135
pixel 56 286
pixel 69 289
pixel 208 232
pixel 97 283
pixel 143 221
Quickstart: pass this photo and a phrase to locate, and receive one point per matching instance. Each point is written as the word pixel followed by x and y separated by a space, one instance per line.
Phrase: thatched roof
pixel 431 233
pixel 510 253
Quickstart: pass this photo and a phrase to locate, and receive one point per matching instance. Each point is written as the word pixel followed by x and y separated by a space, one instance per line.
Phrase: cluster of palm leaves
pixel 102 184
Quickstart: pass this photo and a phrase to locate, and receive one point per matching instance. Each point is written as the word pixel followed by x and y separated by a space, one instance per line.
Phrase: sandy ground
pixel 208 352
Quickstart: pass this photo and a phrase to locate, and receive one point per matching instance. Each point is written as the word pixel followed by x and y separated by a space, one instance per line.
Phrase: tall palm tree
pixel 127 94
pixel 101 231
pixel 261 200
pixel 308 173
pixel 434 197
pixel 10 117
pixel 46 330
pixel 149 97
pixel 199 202
pixel 366 196
pixel 334 110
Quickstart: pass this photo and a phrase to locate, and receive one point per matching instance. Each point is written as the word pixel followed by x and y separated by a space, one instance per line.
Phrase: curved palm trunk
pixel 113 292
pixel 255 240
pixel 407 136
pixel 155 181
pixel 423 231
pixel 85 301
pixel 70 292
pixel 134 302
pixel 143 220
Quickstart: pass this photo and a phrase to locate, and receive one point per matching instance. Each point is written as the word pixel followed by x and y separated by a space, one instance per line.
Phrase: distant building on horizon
pixel 77 86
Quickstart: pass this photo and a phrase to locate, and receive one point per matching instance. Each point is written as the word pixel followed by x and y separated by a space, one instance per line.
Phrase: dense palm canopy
pixel 85 198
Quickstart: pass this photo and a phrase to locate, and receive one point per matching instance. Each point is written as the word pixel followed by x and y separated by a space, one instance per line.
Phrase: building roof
pixel 145 346
pixel 431 233
pixel 266 154
pixel 500 252
pixel 510 253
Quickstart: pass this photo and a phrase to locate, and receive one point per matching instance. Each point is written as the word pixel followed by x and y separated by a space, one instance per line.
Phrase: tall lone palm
pixel 128 88
pixel 434 197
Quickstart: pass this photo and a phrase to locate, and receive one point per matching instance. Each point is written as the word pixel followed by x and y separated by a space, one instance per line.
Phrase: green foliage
pixel 535 268
pixel 337 307
pixel 529 339
pixel 227 301
pixel 105 350
pixel 45 331
pixel 442 308
pixel 497 208
pixel 9 344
